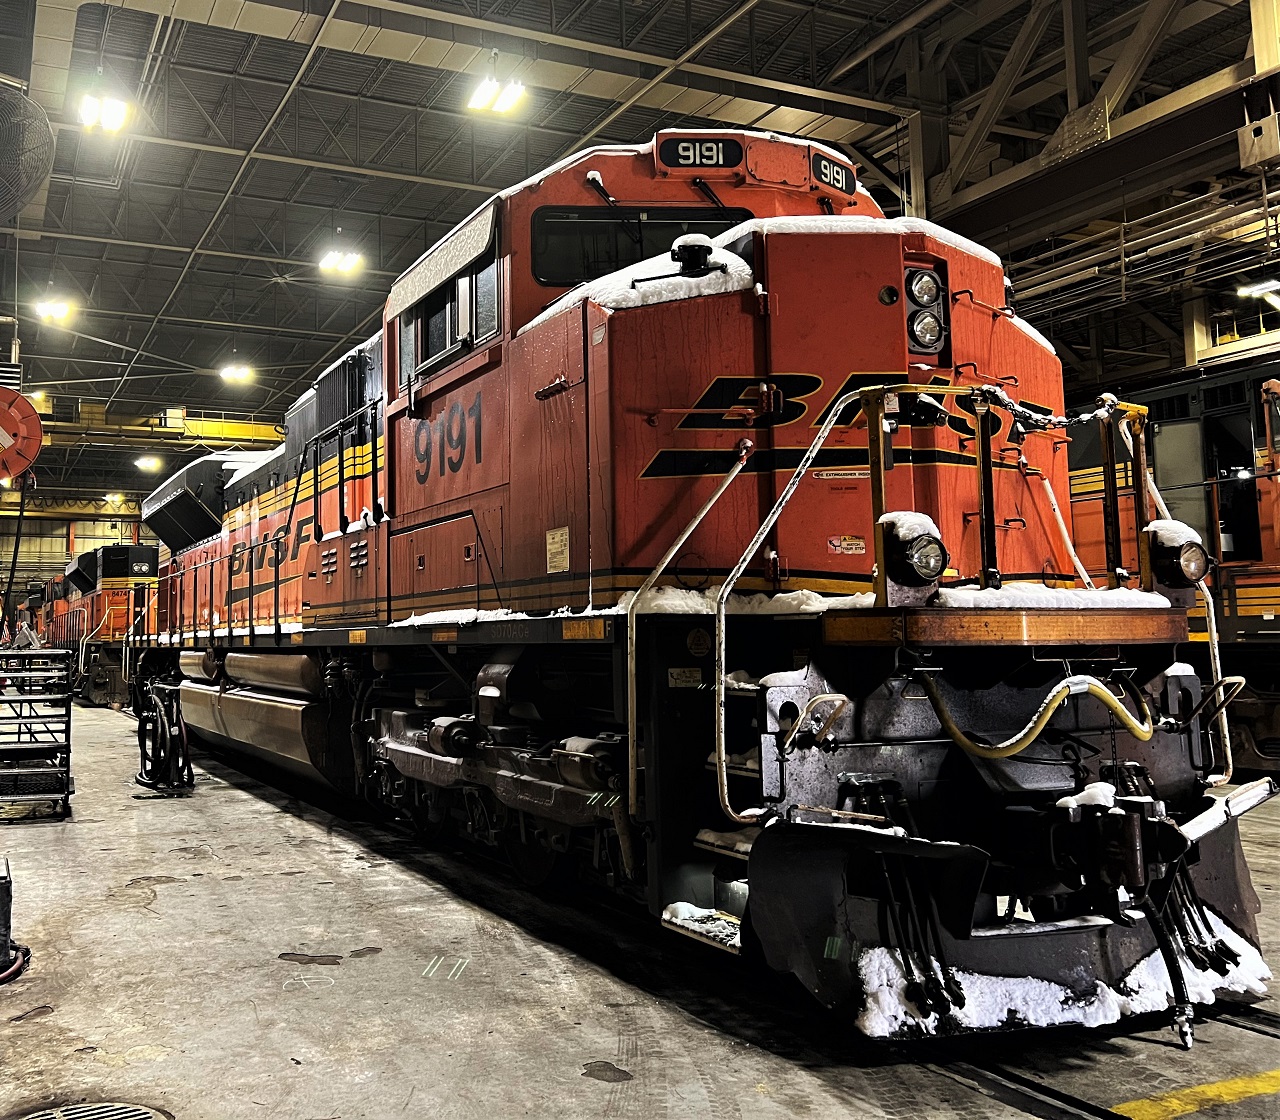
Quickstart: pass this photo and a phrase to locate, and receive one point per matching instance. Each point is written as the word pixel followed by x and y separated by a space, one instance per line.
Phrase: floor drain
pixel 104 1110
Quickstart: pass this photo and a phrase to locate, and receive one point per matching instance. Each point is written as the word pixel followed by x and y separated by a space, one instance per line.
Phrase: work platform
pixel 244 952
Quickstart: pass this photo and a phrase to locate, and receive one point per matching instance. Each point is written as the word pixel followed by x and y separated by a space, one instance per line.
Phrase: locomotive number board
pixel 722 153
pixel 695 151
pixel 837 176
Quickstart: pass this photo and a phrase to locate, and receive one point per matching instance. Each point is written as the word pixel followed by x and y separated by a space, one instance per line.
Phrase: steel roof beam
pixel 890 35
pixel 1090 123
pixel 705 40
pixel 1015 61
pixel 234 326
pixel 337 167
pixel 159 246
pixel 626 54
pixel 1138 51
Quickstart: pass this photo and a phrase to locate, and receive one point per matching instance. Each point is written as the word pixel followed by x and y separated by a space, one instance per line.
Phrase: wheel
pixel 538 867
pixel 430 814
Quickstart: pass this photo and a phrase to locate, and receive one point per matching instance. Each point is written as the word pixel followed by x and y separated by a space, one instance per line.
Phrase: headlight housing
pixel 926 329
pixel 927 557
pixel 1178 558
pixel 924 287
pixel 917 562
pixel 1193 561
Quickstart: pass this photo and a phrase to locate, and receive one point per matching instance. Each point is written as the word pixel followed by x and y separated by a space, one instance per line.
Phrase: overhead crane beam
pixel 216 435
pixel 40 508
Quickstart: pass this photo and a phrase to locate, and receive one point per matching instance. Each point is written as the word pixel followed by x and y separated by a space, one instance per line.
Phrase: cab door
pixel 1232 463
pixel 1177 459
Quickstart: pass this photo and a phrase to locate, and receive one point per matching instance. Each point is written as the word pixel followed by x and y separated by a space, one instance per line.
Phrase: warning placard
pixel 846 545
pixel 558 550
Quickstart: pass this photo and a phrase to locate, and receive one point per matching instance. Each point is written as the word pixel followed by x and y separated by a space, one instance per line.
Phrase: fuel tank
pixel 197 665
pixel 303 736
pixel 294 673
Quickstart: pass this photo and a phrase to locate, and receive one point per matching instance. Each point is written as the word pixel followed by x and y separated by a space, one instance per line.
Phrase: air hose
pixel 1141 728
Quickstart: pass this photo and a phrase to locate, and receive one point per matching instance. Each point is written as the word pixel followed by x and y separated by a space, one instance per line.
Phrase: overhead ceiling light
pixel 114 114
pixel 114 499
pixel 148 463
pixel 484 94
pixel 53 310
pixel 342 263
pixel 509 97
pixel 1259 289
pixel 90 110
pixel 6 482
pixel 236 375
pixel 38 395
pixel 109 113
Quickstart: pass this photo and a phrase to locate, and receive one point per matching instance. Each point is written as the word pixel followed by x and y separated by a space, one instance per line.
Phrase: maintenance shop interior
pixel 579 559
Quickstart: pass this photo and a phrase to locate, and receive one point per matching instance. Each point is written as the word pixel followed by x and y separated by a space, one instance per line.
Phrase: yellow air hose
pixel 1140 728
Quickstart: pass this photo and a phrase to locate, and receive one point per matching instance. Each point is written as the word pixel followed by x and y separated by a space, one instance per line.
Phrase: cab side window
pixel 448 322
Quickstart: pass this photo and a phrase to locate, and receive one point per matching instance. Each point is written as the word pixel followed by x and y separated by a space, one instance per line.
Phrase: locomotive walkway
pixel 248 952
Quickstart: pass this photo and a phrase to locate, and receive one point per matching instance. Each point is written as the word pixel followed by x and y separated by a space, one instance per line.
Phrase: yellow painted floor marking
pixel 1197 1097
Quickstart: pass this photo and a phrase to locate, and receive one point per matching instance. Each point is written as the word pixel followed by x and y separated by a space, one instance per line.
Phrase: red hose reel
pixel 21 434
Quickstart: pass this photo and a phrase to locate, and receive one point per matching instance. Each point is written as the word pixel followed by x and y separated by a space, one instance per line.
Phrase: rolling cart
pixel 35 728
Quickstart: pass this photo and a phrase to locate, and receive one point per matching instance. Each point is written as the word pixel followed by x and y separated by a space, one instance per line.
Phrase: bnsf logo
pixel 266 553
pixel 785 402
pixel 740 403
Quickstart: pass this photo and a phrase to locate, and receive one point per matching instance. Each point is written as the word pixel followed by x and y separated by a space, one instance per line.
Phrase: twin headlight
pixel 924 287
pixel 926 329
pixel 926 311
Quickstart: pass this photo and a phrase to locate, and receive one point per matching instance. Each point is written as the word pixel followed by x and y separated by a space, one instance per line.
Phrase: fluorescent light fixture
pixel 344 264
pixel 484 94
pixel 53 310
pixel 114 499
pixel 236 375
pixel 148 463
pixel 38 395
pixel 1259 289
pixel 509 97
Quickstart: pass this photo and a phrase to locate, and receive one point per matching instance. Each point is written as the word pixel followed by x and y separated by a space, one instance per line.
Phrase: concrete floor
pixel 427 984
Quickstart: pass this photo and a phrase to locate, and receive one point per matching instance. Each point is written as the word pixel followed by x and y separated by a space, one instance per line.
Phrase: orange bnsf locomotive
pixel 1211 444
pixel 94 610
pixel 690 529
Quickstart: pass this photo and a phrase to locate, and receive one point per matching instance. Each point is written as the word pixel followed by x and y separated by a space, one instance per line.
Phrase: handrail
pixel 726 589
pixel 744 448
pixel 249 566
pixel 1211 625
pixel 343 519
pixel 278 542
pixel 128 634
pixel 84 641
pixel 875 394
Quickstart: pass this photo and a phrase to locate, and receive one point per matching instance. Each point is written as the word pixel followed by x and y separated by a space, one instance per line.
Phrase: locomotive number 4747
pixel 443 440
